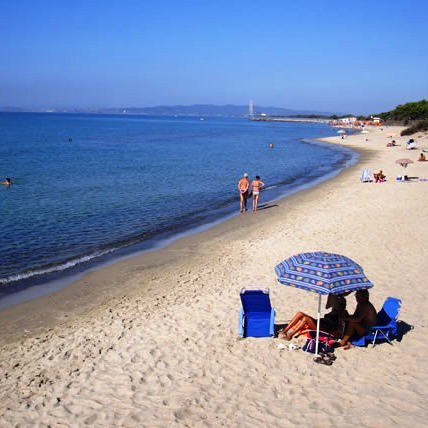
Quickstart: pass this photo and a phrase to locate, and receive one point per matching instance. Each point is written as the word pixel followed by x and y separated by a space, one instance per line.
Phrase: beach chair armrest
pixel 379 327
pixel 241 323
pixel 272 322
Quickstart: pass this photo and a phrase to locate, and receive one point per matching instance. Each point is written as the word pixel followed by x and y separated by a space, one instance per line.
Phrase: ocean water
pixel 126 182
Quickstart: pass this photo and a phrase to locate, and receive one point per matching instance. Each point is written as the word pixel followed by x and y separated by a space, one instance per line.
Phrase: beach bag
pixel 324 345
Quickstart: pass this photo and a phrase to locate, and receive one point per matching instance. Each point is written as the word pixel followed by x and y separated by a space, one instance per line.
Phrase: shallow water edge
pixel 23 291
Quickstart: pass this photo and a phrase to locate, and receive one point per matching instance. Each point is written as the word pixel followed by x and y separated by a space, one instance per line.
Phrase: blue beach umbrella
pixel 322 273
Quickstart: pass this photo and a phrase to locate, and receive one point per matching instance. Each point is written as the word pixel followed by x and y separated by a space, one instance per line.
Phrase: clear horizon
pixel 361 59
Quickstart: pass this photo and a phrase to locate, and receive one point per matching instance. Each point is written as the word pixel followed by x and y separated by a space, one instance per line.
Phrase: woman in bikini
pixel 256 185
pixel 330 323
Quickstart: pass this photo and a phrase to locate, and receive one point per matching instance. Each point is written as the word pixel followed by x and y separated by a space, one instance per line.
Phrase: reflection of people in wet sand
pixel 422 158
pixel 6 182
pixel 243 187
pixel 330 323
pixel 365 315
pixel 256 186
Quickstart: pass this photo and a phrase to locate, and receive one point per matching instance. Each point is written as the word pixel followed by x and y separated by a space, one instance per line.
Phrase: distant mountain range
pixel 228 110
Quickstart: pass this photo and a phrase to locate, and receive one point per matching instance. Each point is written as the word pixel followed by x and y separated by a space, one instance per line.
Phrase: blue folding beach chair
pixel 257 317
pixel 387 328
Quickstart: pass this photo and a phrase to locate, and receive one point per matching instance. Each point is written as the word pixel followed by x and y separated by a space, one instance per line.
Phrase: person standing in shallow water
pixel 256 186
pixel 244 188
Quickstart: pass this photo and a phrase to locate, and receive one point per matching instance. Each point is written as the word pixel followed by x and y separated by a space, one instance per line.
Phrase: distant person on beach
pixel 379 177
pixel 244 190
pixel 256 187
pixel 422 158
pixel 6 182
pixel 365 315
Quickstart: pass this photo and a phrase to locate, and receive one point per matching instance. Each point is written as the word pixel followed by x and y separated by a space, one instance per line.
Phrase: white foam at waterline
pixel 58 268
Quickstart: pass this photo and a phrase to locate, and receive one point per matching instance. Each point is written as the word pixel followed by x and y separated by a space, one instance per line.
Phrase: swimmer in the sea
pixel 7 182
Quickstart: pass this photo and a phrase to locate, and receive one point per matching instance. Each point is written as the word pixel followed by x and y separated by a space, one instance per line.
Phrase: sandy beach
pixel 152 341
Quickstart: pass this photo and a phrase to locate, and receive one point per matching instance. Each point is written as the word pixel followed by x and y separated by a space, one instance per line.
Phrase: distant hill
pixel 229 110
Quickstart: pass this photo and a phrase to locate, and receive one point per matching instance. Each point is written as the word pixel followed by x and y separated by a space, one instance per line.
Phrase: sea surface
pixel 91 188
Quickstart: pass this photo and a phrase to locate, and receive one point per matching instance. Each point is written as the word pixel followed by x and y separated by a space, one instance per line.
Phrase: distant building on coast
pixel 347 120
pixel 353 122
pixel 374 121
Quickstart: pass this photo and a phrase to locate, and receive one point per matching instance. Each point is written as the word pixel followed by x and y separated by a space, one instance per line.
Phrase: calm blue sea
pixel 125 182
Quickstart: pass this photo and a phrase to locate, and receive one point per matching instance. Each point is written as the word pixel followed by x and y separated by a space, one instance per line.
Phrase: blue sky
pixel 360 57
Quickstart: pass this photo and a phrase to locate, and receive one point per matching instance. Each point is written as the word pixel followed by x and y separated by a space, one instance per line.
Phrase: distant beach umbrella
pixel 404 162
pixel 322 273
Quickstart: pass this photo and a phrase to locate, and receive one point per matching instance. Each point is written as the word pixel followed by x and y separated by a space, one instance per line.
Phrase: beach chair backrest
pixel 389 312
pixel 365 176
pixel 255 301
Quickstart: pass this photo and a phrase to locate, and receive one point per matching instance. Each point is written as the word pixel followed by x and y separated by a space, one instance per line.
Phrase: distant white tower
pixel 251 109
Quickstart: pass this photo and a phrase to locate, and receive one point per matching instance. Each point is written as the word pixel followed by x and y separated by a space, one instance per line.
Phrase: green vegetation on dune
pixel 419 126
pixel 414 114
pixel 410 111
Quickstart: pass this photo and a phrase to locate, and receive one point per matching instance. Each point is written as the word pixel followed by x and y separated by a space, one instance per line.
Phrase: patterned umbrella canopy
pixel 322 273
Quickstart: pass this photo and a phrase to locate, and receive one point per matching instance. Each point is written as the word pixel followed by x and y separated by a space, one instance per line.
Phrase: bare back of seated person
pixel 365 315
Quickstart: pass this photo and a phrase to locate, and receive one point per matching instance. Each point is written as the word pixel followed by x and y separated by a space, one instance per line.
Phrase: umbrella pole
pixel 318 324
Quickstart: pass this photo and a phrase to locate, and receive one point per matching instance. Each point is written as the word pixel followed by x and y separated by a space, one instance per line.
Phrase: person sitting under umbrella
pixel 365 315
pixel 330 323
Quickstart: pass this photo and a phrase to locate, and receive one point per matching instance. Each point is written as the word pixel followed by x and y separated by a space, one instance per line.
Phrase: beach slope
pixel 159 346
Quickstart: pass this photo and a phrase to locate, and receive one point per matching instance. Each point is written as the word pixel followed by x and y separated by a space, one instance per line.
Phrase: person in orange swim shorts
pixel 244 190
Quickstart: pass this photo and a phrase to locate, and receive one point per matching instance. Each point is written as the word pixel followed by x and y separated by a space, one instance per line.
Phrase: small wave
pixel 58 268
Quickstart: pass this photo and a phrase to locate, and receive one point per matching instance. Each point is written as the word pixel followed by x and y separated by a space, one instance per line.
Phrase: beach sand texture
pixel 152 341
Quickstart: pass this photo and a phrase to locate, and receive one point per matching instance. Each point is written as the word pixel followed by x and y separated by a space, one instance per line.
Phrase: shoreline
pixel 77 296
pixel 158 347
pixel 34 285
